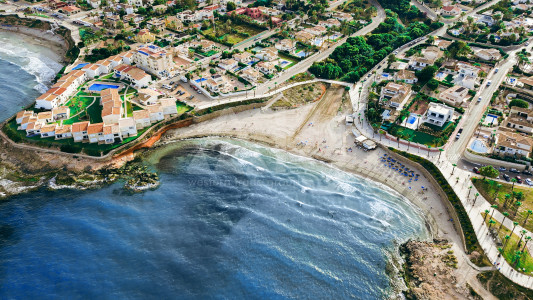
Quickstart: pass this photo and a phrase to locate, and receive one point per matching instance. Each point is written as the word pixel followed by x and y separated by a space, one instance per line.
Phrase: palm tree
pixel 529 211
pixel 507 197
pixel 527 239
pixel 516 258
pixel 505 215
pixel 486 214
pixel 494 206
pixel 517 204
pixel 522 233
pixel 507 238
pixel 491 222
pixel 513 180
pixel 477 194
pixel 498 187
pixel 514 223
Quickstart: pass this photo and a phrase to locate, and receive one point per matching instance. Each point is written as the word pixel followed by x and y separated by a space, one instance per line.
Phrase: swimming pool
pixel 478 146
pixel 411 120
pixel 79 66
pixel 301 54
pixel 97 87
pixel 200 80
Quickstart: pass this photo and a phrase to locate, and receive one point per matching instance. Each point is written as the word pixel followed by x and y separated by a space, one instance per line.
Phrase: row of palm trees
pixel 518 253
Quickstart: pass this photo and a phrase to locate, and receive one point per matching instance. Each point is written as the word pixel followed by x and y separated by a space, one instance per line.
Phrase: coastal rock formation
pixel 430 271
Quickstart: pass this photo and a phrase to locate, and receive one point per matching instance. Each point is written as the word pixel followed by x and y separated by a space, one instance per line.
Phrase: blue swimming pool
pixel 478 146
pixel 79 66
pixel 99 86
pixel 301 54
pixel 411 120
pixel 200 80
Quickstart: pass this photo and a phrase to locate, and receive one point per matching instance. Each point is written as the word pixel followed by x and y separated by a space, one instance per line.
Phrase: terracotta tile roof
pixel 141 114
pixel 63 129
pixel 48 128
pixel 95 128
pixel 80 126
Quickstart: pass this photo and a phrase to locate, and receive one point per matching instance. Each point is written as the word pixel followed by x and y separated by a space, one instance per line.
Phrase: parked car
pixel 476 170
pixel 519 179
pixel 529 181
pixel 172 82
pixel 526 172
pixel 479 99
pixel 506 177
pixel 496 70
pixel 459 133
pixel 488 83
pixel 513 170
pixel 503 169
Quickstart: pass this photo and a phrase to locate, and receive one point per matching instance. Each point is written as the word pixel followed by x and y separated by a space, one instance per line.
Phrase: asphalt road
pixel 305 64
pixel 473 115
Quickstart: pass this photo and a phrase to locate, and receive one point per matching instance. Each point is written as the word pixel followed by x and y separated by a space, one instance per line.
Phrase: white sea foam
pixel 43 68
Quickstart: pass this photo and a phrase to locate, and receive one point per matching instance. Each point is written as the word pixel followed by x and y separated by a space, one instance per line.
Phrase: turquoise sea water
pixel 231 220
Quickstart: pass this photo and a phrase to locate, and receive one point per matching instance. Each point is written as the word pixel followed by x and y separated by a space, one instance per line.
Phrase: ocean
pixel 26 70
pixel 230 220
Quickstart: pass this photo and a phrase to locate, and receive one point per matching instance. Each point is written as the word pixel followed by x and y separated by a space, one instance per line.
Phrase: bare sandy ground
pixel 318 130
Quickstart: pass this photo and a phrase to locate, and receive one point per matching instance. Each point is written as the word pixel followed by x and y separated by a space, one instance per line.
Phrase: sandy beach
pixel 318 130
pixel 40 37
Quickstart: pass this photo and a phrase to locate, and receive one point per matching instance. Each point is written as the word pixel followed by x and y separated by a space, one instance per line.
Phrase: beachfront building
pixel 127 127
pixel 79 131
pixel 438 114
pixel 142 118
pixel 111 134
pixel 48 130
pixel 169 108
pixel 63 132
pixel 95 132
pixel 153 59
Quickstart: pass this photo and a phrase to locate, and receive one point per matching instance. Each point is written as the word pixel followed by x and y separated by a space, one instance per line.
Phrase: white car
pixel 529 181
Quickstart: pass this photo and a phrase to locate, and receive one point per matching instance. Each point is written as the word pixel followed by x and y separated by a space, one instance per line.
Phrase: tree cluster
pixel 352 59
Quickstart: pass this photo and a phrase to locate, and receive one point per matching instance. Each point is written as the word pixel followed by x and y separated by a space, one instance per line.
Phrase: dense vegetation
pixel 352 59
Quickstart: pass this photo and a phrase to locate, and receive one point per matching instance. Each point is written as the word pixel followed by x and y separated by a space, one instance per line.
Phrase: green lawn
pixel 95 112
pixel 415 136
pixel 488 188
pixel 285 57
pixel 525 261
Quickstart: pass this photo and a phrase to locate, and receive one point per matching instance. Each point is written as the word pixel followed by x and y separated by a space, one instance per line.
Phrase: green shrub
pixel 470 237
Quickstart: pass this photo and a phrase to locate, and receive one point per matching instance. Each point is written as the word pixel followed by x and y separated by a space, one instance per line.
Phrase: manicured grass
pixel 95 112
pixel 488 188
pixel 524 263
pixel 285 57
pixel 130 108
pixel 415 136
pixel 77 104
